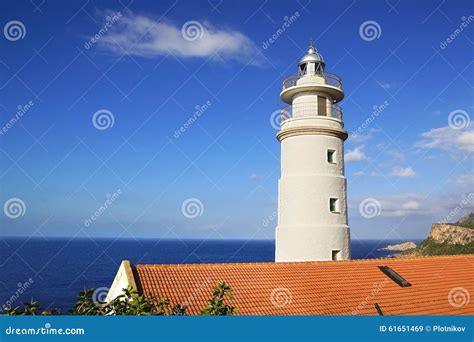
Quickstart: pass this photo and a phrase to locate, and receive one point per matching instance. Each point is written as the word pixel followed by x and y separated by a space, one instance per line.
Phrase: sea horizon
pixel 55 270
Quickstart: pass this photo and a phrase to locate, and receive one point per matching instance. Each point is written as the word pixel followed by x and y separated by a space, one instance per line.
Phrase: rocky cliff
pixel 451 234
pixel 447 239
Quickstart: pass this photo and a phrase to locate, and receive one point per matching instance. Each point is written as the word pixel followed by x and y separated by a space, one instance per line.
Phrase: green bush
pixel 130 302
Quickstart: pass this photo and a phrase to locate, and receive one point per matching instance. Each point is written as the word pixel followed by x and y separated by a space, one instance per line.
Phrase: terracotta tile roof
pixel 439 286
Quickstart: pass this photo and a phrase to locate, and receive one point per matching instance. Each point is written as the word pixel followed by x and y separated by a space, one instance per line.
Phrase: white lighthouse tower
pixel 312 204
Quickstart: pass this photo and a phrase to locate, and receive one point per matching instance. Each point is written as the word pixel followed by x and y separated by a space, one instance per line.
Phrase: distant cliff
pixel 447 239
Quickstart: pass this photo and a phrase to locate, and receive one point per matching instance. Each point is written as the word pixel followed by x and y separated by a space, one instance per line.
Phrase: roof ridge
pixel 332 262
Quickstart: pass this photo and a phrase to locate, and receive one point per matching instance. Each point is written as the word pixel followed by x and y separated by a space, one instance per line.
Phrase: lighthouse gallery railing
pixel 331 79
pixel 332 111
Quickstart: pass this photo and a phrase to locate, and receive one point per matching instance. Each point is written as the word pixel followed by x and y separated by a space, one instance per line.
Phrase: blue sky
pixel 412 158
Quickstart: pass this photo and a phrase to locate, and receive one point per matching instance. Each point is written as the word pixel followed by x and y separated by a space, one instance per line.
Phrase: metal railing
pixel 332 111
pixel 331 79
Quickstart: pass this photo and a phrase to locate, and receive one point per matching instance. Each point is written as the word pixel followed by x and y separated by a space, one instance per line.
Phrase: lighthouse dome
pixel 312 56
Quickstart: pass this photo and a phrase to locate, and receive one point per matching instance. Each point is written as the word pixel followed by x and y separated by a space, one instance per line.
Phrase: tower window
pixel 332 156
pixel 333 205
pixel 336 254
pixel 322 106
pixel 303 69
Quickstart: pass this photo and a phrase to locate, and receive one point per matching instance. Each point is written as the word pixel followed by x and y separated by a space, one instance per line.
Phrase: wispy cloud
pixel 448 139
pixel 144 36
pixel 255 177
pixel 356 154
pixel 403 172
pixel 359 138
pixel 434 206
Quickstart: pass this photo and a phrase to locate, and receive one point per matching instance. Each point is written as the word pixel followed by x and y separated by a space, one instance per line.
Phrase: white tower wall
pixel 312 206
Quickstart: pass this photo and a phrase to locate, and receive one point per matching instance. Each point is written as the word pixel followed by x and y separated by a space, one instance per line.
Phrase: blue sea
pixel 54 270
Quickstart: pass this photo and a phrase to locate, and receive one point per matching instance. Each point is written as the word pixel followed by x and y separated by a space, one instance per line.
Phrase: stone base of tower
pixel 312 243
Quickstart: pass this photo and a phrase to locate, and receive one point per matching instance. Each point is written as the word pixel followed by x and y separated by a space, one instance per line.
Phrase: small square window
pixel 336 255
pixel 333 205
pixel 332 156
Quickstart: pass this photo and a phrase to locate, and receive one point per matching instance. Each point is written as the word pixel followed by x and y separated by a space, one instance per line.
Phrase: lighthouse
pixel 312 200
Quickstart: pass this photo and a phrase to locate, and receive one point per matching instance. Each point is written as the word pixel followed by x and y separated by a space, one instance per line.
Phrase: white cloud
pixel 359 138
pixel 433 206
pixel 356 154
pixel 465 179
pixel 403 172
pixel 144 36
pixel 448 139
pixel 255 177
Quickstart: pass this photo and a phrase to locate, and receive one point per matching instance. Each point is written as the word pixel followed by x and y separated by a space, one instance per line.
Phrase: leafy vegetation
pixel 130 302
pixel 216 305
pixel 431 247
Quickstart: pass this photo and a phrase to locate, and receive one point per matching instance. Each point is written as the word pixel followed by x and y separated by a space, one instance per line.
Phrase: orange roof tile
pixel 440 285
